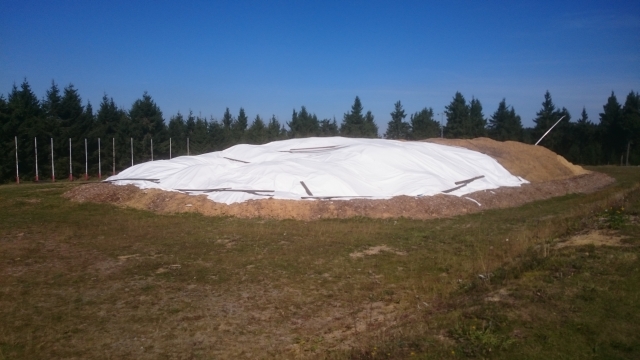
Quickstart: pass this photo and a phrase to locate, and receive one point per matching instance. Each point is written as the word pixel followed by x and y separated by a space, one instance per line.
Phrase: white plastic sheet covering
pixel 331 168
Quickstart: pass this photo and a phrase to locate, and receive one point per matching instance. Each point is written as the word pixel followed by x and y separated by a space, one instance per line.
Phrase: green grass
pixel 98 281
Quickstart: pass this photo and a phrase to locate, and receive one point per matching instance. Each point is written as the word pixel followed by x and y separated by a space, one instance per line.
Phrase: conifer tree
pixel 631 127
pixel 423 126
pixel 274 130
pixel 504 124
pixel 457 118
pixel 303 124
pixel 354 124
pixel 257 132
pixel 239 126
pixel 477 122
pixel 328 128
pixel 612 132
pixel 397 128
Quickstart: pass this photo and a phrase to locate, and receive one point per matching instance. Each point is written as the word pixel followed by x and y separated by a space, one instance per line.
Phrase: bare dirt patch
pixel 595 237
pixel 374 250
pixel 550 176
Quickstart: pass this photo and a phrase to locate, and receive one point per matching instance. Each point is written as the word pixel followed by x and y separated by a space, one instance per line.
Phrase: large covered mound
pixel 324 168
pixel 549 174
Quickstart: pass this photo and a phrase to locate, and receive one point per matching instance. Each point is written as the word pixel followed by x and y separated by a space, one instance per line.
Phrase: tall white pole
pixel 99 162
pixel 53 169
pixel 554 125
pixel 86 161
pixel 35 147
pixel 131 151
pixel 17 171
pixel 169 148
pixel 113 156
pixel 152 149
pixel 70 166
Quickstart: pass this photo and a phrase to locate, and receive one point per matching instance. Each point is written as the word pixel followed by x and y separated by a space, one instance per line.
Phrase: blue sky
pixel 270 57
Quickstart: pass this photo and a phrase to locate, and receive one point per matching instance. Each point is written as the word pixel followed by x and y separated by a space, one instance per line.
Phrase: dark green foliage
pixel 504 124
pixel 274 130
pixel 477 122
pixel 397 128
pixel 631 127
pixel 457 118
pixel 239 126
pixel 328 128
pixel 354 124
pixel 612 131
pixel 257 132
pixel 147 124
pixel 423 126
pixel 303 124
pixel 61 116
pixel 545 119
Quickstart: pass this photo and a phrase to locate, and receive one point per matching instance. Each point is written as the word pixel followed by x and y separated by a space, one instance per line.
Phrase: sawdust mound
pixel 534 163
pixel 550 175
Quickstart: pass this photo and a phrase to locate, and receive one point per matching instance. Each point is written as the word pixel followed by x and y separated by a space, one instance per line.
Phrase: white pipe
pixel 35 147
pixel 86 161
pixel 554 125
pixel 17 171
pixel 70 166
pixel 53 169
pixel 114 156
pixel 99 162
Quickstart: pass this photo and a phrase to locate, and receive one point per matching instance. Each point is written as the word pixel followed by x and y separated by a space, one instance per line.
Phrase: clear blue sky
pixel 273 56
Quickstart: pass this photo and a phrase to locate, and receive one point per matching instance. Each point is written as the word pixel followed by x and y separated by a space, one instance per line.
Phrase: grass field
pixel 94 281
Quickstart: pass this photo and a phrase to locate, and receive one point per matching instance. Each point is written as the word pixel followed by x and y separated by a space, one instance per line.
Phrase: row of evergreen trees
pixel 61 116
pixel 615 139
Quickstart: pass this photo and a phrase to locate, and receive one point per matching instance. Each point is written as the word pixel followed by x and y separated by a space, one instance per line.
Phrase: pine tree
pixel 612 132
pixel 303 124
pixel 328 128
pixel 504 124
pixel 274 130
pixel 545 119
pixel 397 128
pixel 423 126
pixel 477 122
pixel 26 120
pixel 369 129
pixel 239 126
pixel 111 126
pixel 353 122
pixel 457 118
pixel 257 132
pixel 147 124
pixel 631 127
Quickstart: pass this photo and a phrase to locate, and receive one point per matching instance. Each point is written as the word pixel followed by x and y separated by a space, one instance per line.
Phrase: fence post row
pixel 86 158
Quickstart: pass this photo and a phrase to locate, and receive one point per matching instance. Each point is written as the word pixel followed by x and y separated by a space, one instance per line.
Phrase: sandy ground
pixel 550 176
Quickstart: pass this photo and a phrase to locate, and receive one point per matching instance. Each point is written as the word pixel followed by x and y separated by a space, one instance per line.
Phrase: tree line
pixel 61 115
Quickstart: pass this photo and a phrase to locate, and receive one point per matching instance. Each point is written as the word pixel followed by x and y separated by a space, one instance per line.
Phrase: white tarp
pixel 335 167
